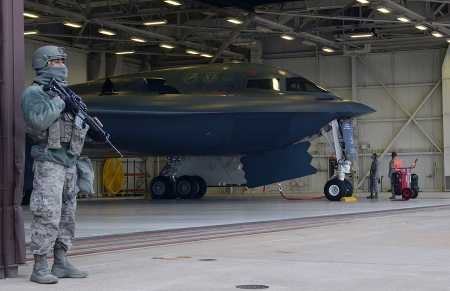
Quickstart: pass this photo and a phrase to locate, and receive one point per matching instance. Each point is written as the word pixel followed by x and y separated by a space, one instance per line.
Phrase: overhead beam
pixel 128 29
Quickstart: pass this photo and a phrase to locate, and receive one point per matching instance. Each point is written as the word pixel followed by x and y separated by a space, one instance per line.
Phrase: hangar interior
pixel 387 54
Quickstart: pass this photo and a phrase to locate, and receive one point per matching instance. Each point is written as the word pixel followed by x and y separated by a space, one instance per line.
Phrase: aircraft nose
pixel 349 109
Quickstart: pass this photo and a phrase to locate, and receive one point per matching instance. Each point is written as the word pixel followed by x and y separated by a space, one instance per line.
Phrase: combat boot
pixel 41 274
pixel 62 268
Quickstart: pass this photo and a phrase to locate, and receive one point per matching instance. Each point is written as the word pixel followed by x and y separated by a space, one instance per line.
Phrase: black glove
pixel 71 106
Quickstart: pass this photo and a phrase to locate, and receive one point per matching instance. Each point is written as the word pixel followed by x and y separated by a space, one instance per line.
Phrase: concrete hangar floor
pixel 247 243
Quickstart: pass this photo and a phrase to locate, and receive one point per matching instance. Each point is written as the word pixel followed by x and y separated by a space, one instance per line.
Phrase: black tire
pixel 184 187
pixel 414 186
pixel 203 188
pixel 162 188
pixel 348 188
pixel 334 189
pixel 195 184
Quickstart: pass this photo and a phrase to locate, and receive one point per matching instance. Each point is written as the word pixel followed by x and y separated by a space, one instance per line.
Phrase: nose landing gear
pixel 338 186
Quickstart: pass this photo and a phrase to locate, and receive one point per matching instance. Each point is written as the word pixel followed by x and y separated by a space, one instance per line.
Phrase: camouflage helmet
pixel 46 53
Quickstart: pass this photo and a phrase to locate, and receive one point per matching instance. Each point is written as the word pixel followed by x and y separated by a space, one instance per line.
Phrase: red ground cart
pixel 406 184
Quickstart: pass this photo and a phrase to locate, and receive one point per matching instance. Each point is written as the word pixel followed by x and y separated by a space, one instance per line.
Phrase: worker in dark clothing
pixel 374 178
pixel 394 165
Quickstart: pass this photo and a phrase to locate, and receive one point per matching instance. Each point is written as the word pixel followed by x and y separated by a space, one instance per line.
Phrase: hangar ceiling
pixel 213 30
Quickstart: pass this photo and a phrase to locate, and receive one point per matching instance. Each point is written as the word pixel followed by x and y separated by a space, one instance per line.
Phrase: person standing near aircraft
pixel 374 178
pixel 58 145
pixel 394 165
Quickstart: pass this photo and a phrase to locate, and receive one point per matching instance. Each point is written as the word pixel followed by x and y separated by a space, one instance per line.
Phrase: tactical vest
pixel 63 132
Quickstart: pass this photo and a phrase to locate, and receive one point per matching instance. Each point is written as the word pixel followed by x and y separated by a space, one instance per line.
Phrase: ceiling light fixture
pixel 136 39
pixel 173 2
pixel 206 55
pixel 192 52
pixel 362 35
pixel 234 20
pixel 155 22
pixel 421 27
pixel 363 1
pixel 437 34
pixel 166 46
pixel 328 50
pixel 403 19
pixel 125 53
pixel 383 10
pixel 287 37
pixel 72 24
pixel 30 32
pixel 106 32
pixel 30 15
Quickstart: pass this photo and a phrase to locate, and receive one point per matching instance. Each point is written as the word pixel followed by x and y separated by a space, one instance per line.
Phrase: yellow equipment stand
pixel 113 176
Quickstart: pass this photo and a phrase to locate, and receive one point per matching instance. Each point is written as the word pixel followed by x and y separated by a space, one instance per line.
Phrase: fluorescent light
pixel 234 20
pixel 421 27
pixel 30 32
pixel 287 37
pixel 173 2
pixel 328 50
pixel 448 40
pixel 192 52
pixel 236 61
pixel 136 39
pixel 403 19
pixel 166 46
pixel 383 10
pixel 156 22
pixel 125 53
pixel 275 84
pixel 363 1
pixel 437 34
pixel 206 55
pixel 72 24
pixel 106 32
pixel 361 35
pixel 30 15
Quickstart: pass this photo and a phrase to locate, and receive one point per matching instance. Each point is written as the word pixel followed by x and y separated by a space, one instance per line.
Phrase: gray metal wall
pixel 407 76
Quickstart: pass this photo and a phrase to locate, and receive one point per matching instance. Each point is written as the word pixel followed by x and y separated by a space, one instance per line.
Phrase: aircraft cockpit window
pixel 301 84
pixel 266 84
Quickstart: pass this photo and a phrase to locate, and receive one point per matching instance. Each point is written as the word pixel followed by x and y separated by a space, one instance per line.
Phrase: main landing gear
pixel 184 187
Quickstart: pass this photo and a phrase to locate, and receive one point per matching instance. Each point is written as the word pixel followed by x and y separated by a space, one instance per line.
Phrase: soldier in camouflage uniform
pixel 56 152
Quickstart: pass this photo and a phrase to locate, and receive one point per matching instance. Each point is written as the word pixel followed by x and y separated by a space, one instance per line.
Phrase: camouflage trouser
pixel 53 204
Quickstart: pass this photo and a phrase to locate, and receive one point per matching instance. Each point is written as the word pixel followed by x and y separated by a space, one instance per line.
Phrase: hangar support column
pixel 12 137
pixel 94 61
pixel 446 117
pixel 110 64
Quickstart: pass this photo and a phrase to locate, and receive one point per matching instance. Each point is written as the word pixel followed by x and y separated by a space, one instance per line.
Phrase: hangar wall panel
pixel 409 76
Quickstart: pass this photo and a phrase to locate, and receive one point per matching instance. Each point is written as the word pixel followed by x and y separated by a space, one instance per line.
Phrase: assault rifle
pixel 76 106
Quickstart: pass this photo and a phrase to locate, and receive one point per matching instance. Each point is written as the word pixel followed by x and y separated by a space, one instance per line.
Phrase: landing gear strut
pixel 338 186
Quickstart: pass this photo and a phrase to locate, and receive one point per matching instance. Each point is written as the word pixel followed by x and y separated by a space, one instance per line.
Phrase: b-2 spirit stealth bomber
pixel 219 124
